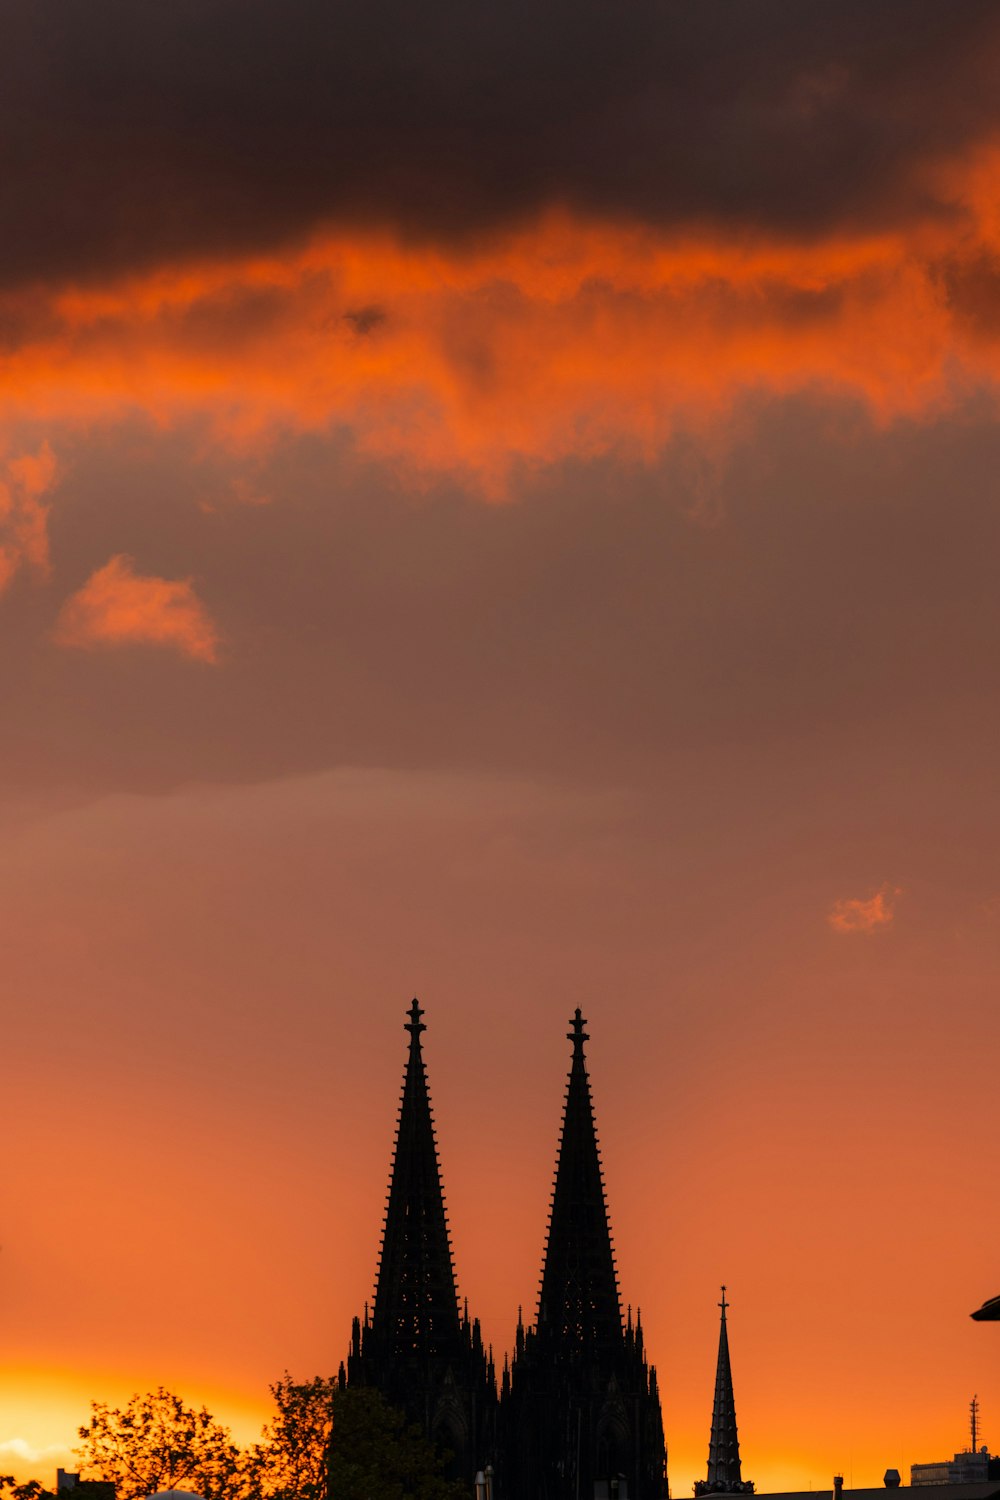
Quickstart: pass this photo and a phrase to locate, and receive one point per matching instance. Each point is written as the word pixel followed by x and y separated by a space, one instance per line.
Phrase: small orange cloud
pixel 118 606
pixel 856 914
pixel 24 520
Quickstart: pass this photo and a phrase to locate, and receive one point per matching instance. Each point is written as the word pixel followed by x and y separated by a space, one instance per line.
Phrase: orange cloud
pixel 24 531
pixel 854 914
pixel 118 606
pixel 565 338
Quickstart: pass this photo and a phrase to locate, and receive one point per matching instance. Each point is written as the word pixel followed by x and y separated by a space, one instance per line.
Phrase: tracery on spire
pixel 725 1475
pixel 579 1303
pixel 580 1414
pixel 416 1302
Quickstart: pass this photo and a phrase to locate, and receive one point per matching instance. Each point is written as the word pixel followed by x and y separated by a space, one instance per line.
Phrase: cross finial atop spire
pixel 419 1347
pixel 578 1036
pixel 578 1304
pixel 414 1025
pixel 725 1473
pixel 416 1311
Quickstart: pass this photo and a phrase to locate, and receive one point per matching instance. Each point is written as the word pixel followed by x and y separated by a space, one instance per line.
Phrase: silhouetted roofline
pixel 981 1490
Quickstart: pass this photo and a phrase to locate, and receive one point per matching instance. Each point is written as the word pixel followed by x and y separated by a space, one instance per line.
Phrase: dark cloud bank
pixel 134 131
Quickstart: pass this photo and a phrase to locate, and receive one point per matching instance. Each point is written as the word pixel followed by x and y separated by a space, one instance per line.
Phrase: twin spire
pixel 579 1304
pixel 415 1313
pixel 416 1349
pixel 579 1410
pixel 416 1300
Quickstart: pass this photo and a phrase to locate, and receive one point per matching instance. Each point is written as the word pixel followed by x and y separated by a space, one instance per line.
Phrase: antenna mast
pixel 974 1422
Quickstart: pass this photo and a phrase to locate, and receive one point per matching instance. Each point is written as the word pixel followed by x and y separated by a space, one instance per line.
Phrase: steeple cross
pixel 723 1304
pixel 578 1036
pixel 414 1025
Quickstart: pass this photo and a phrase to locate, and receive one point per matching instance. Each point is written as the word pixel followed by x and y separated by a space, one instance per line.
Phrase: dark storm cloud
pixel 136 131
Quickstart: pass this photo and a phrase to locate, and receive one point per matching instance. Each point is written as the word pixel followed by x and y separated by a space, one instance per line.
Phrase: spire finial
pixel 414 1025
pixel 578 1036
pixel 723 1304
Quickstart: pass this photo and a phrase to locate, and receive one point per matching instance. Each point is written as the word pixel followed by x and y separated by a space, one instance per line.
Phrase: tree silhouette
pixel 158 1443
pixel 30 1490
pixel 289 1463
pixel 375 1454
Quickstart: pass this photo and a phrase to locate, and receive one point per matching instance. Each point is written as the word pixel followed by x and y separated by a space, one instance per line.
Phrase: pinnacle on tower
pixel 580 1414
pixel 724 1471
pixel 579 1303
pixel 416 1348
pixel 416 1303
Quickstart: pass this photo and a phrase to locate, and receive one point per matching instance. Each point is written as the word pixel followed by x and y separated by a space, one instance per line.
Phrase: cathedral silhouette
pixel 577 1415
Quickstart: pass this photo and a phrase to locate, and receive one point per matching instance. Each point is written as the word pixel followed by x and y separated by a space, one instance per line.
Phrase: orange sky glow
pixel 583 611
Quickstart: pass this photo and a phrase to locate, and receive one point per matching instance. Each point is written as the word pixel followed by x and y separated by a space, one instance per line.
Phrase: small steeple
pixel 724 1471
pixel 579 1303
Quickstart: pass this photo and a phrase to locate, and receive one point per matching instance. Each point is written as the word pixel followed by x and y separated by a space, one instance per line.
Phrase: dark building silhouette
pixel 416 1348
pixel 579 1409
pixel 725 1475
pixel 892 1490
pixel 82 1489
pixel 974 1465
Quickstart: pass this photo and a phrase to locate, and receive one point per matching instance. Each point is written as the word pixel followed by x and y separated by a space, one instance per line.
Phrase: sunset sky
pixel 500 503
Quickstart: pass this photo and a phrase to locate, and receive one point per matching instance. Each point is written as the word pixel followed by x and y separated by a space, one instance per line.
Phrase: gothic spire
pixel 580 1414
pixel 724 1472
pixel 416 1303
pixel 579 1306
